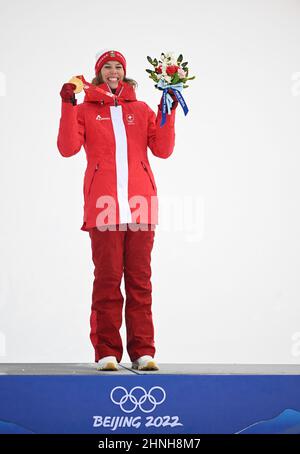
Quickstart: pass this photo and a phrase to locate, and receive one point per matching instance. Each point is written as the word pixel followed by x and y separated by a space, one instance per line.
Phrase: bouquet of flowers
pixel 170 75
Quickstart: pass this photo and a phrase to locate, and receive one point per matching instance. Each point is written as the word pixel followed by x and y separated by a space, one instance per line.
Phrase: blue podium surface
pixel 178 399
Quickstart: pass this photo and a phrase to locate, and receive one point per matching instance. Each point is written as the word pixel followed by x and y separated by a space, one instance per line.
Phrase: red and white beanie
pixel 106 55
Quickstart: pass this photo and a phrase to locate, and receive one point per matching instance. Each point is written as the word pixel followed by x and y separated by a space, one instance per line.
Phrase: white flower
pixel 164 68
pixel 170 58
pixel 168 79
pixel 169 54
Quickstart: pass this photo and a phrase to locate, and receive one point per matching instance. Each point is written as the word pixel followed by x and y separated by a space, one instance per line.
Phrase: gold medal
pixel 78 82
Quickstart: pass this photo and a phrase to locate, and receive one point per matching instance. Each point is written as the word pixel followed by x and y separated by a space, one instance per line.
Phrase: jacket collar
pixel 103 94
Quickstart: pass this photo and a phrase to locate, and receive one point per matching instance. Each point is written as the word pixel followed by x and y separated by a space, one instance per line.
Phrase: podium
pixel 177 399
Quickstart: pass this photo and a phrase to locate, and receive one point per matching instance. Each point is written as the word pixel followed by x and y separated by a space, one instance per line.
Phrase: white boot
pixel 145 362
pixel 108 363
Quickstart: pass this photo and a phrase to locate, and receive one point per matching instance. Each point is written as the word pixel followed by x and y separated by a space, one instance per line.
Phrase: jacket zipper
pixel 116 99
pixel 95 171
pixel 146 170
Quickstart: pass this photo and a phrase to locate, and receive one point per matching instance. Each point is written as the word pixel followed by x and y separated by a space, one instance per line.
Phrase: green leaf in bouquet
pixel 185 86
pixel 184 64
pixel 191 78
pixel 175 79
pixel 179 59
pixel 149 71
pixel 154 77
pixel 150 60
pixel 155 62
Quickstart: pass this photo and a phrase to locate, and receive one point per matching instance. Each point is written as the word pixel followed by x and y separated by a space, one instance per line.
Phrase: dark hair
pixel 99 80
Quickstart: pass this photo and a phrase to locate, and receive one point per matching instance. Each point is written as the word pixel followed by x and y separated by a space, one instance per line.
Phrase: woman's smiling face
pixel 111 72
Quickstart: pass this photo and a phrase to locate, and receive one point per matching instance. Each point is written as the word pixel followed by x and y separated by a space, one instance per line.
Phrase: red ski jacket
pixel 115 130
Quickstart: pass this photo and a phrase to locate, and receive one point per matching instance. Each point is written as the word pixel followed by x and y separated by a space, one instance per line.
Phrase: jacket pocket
pixel 149 175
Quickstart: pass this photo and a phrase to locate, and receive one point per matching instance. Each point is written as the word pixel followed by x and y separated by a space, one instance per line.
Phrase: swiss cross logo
pixel 130 119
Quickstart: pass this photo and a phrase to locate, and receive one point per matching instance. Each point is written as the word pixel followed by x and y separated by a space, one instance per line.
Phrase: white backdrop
pixel 226 259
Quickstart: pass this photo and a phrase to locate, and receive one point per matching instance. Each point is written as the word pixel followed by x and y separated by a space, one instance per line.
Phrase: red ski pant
pixel 118 252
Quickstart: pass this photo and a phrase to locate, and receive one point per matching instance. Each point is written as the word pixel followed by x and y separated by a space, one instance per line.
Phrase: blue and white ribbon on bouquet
pixel 167 100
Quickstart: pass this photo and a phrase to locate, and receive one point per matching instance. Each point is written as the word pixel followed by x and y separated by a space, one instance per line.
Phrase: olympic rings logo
pixel 138 397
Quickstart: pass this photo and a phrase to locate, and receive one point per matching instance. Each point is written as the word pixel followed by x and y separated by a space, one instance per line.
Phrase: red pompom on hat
pixel 107 56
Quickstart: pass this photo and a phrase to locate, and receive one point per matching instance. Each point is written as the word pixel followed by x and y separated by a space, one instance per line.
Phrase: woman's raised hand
pixel 67 93
pixel 175 101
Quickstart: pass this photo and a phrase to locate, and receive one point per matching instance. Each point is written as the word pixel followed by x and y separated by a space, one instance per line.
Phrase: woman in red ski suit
pixel 120 204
